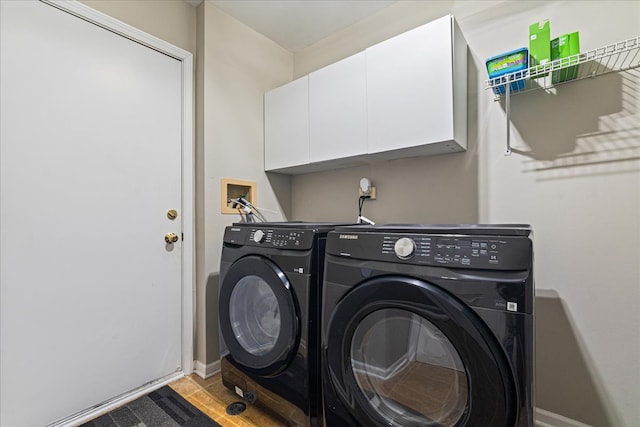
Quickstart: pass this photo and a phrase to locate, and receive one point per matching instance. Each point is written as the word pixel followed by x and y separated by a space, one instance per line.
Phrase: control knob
pixel 404 247
pixel 258 236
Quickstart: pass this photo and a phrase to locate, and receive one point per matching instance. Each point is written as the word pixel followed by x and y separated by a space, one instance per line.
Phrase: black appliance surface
pixel 428 325
pixel 269 314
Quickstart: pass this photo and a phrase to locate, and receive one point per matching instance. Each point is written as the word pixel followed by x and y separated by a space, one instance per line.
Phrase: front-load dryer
pixel 428 326
pixel 269 316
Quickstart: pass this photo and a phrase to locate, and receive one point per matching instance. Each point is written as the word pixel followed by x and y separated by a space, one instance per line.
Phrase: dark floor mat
pixel 161 408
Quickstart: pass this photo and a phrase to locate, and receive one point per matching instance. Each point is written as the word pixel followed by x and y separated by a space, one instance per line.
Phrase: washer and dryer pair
pixel 411 325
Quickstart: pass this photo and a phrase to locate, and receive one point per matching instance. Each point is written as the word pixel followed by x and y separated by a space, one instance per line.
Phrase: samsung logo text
pixel 348 236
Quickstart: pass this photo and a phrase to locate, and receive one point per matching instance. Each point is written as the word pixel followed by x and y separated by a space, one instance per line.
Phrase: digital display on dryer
pixel 453 243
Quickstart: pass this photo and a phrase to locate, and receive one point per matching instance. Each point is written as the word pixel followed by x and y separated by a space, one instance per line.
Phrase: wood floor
pixel 212 397
pixel 409 388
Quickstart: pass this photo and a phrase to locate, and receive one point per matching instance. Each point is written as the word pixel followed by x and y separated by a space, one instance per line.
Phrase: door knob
pixel 171 238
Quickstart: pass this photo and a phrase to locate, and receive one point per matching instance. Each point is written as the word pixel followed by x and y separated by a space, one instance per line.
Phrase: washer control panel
pixel 478 251
pixel 284 238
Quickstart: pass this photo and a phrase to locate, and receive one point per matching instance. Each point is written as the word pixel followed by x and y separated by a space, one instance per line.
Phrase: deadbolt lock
pixel 172 214
pixel 170 238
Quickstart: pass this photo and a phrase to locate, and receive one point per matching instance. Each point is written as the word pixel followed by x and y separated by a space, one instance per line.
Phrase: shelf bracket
pixel 507 151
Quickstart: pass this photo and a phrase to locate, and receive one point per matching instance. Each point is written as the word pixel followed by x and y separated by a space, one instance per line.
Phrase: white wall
pixel 578 183
pixel 238 66
pixel 575 178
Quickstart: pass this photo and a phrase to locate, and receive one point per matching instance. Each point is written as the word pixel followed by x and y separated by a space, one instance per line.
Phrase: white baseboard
pixel 205 371
pixel 549 419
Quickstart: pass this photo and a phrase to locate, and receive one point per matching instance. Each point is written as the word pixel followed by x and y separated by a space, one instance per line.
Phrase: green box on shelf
pixel 565 46
pixel 539 46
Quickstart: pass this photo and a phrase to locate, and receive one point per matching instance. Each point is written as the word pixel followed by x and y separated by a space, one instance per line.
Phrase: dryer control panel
pixel 281 238
pixel 463 251
pixel 484 252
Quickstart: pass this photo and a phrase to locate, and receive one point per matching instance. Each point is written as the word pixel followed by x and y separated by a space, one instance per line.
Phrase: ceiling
pixel 296 24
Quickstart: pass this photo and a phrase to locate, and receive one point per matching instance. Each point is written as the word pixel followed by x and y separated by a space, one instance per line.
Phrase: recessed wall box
pixel 232 189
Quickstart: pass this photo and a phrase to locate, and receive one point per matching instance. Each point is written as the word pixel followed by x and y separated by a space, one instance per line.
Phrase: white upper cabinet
pixel 286 125
pixel 406 96
pixel 417 90
pixel 338 110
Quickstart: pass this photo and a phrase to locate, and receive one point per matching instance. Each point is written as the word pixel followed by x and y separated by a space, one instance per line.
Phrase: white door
pixel 90 152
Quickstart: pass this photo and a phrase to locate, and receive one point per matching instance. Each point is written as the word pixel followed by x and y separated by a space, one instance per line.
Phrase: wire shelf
pixel 621 56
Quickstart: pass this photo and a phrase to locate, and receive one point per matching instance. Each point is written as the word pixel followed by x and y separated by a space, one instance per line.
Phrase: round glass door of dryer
pixel 401 351
pixel 408 370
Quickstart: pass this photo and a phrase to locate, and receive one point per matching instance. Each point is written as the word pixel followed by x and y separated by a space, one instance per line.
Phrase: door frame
pixel 109 23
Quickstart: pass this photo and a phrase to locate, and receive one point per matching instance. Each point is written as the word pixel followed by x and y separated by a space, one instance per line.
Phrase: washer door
pixel 259 316
pixel 404 352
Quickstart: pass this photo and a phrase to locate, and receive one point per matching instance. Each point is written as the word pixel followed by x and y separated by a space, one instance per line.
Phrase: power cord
pixel 363 219
pixel 361 204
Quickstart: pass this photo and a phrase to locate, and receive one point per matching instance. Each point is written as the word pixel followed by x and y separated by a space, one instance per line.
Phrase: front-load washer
pixel 269 316
pixel 428 326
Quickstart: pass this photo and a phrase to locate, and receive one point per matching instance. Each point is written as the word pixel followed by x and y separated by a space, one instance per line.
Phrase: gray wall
pixel 237 65
pixel 575 176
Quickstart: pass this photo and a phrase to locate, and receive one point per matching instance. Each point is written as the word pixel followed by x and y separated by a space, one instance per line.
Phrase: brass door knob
pixel 171 238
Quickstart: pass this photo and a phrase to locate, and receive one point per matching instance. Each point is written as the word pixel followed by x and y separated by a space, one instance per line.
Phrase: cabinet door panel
pixel 410 88
pixel 286 125
pixel 338 110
